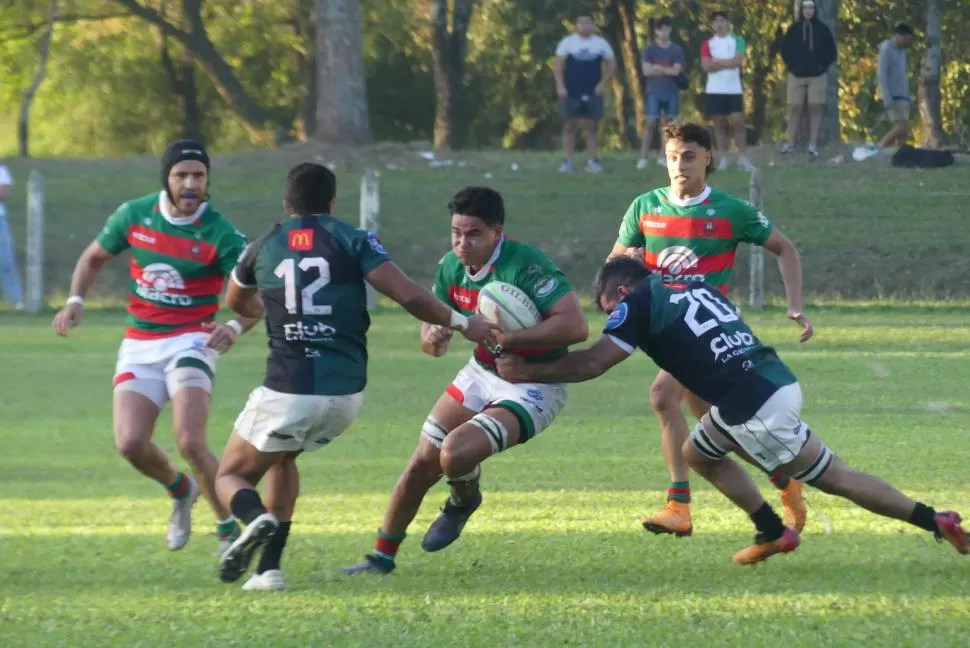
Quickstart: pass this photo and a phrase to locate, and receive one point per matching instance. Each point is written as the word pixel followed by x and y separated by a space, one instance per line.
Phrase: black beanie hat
pixel 179 150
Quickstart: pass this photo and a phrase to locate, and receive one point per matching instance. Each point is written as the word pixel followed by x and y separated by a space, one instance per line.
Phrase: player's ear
pixel 333 206
pixel 286 208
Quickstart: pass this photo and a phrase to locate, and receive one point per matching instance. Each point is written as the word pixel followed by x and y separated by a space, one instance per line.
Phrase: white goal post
pixel 370 216
pixel 756 282
pixel 34 289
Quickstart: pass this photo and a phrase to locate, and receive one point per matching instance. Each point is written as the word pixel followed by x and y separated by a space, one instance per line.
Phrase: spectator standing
pixel 808 51
pixel 580 83
pixel 721 57
pixel 663 62
pixel 13 291
pixel 893 79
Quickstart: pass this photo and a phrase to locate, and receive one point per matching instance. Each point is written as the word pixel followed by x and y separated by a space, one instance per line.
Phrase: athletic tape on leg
pixel 494 429
pixel 817 469
pixel 705 445
pixel 472 476
pixel 434 432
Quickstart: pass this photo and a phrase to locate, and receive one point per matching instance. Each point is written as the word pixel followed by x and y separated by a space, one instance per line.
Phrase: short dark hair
pixel 691 132
pixel 663 21
pixel 903 29
pixel 310 189
pixel 481 202
pixel 720 13
pixel 620 271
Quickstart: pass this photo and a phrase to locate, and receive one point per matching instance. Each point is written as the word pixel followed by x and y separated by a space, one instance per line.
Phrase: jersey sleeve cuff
pixel 235 280
pixel 620 343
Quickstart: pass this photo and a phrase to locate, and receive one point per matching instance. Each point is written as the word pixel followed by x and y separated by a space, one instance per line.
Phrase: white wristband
pixel 458 321
pixel 75 299
pixel 235 326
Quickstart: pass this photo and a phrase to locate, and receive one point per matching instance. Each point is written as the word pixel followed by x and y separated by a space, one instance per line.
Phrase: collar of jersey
pixel 485 269
pixel 690 202
pixel 178 220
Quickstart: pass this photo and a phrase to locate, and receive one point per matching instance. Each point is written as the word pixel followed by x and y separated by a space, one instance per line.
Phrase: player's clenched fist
pixel 67 318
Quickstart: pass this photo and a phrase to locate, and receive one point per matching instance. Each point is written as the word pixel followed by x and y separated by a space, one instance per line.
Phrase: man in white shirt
pixel 13 291
pixel 580 82
pixel 721 57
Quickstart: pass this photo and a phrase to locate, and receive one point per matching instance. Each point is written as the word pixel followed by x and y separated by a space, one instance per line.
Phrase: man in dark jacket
pixel 808 51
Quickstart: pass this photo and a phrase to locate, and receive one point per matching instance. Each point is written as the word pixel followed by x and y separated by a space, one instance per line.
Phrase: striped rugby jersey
pixel 178 265
pixel 692 240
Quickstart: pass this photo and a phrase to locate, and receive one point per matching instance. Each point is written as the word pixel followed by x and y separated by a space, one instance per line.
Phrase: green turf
pixel 555 556
pixel 865 230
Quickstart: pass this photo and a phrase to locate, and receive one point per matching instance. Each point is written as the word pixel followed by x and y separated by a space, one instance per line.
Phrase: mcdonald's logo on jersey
pixel 301 240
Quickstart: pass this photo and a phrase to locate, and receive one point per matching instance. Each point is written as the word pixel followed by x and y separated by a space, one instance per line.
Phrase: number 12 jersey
pixel 310 273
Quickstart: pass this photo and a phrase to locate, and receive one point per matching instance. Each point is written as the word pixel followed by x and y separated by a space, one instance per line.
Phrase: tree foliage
pixel 109 91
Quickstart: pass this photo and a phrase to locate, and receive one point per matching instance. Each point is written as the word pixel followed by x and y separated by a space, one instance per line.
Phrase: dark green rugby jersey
pixel 310 273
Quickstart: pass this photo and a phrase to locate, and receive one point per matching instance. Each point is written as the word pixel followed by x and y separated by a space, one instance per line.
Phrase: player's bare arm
pixel 624 250
pixel 575 366
pixel 558 70
pixel 564 325
pixel 609 74
pixel 244 301
pixel 85 273
pixel 790 267
pixel 388 279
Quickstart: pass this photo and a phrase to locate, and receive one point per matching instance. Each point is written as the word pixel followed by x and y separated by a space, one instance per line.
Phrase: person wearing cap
pixel 663 63
pixel 181 252
pixel 808 51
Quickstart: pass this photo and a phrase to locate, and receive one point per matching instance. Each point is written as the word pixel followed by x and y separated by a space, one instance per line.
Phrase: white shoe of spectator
pixel 593 166
pixel 745 164
pixel 864 152
pixel 812 152
pixel 724 164
pixel 566 167
pixel 19 306
pixel 662 161
pixel 787 148
pixel 641 164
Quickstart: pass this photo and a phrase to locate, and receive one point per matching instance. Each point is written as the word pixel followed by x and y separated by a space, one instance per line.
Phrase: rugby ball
pixel 507 306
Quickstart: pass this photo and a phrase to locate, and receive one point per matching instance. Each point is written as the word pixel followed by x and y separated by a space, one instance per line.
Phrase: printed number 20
pixel 713 304
pixel 286 271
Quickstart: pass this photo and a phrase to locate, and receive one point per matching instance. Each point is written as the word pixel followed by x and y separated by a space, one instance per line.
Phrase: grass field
pixel 555 557
pixel 865 231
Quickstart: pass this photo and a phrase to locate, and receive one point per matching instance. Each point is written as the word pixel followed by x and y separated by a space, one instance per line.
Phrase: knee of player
pixel 129 447
pixel 664 398
pixel 192 444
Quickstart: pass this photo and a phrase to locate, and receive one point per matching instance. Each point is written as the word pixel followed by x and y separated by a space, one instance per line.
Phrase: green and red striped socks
pixel 679 492
pixel 779 479
pixel 179 489
pixel 386 546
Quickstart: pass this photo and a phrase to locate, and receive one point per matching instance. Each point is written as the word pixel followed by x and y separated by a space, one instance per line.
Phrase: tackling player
pixel 480 414
pixel 181 251
pixel 696 334
pixel 690 232
pixel 308 274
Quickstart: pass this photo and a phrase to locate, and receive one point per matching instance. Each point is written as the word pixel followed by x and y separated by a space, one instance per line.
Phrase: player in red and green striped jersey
pixel 687 232
pixel 181 251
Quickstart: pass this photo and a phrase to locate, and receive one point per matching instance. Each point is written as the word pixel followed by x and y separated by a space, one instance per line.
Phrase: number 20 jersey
pixel 310 273
pixel 696 334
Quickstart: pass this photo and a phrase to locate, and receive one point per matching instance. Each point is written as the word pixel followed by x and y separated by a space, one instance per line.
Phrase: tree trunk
pixel 342 114
pixel 827 11
pixel 196 40
pixel 630 50
pixel 929 80
pixel 303 22
pixel 181 79
pixel 23 126
pixel 759 109
pixel 449 49
pixel 624 83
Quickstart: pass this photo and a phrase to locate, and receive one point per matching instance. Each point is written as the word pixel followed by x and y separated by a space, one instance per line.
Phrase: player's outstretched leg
pixel 242 467
pixel 665 398
pixel 710 460
pixel 493 430
pixel 282 489
pixel 827 473
pixel 422 472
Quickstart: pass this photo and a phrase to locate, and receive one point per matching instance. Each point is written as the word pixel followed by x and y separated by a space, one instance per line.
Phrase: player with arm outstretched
pixel 480 414
pixel 690 231
pixel 181 251
pixel 697 335
pixel 307 276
